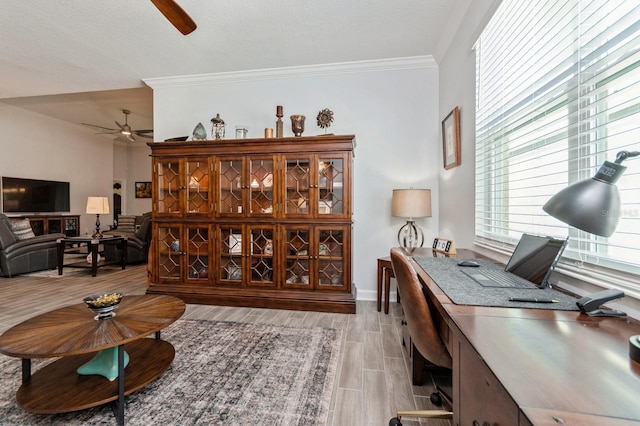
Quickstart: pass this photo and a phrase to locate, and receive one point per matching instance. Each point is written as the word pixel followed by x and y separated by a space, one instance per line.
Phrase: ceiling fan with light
pixel 176 15
pixel 123 129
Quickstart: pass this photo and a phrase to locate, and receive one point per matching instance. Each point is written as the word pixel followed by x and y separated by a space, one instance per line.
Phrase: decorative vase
pixel 297 124
pixel 241 132
pixel 199 133
pixel 279 123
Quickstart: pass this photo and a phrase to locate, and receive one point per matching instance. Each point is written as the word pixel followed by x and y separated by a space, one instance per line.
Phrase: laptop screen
pixel 535 257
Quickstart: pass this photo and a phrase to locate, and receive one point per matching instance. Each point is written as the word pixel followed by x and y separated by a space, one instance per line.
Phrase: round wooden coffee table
pixel 73 334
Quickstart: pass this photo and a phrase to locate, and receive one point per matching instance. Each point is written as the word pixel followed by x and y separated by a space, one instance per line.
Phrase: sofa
pixel 22 252
pixel 138 238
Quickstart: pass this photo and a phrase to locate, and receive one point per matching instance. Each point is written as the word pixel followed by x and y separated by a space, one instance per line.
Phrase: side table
pixel 385 269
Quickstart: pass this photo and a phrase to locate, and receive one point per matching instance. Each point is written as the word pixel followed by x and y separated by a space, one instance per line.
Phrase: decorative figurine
pixel 199 133
pixel 279 123
pixel 217 127
pixel 325 118
pixel 297 124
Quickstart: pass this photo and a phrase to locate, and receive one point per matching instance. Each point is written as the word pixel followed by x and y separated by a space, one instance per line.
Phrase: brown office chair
pixel 423 331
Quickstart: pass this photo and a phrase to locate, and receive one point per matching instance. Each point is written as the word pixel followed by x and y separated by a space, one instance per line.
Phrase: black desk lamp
pixel 593 205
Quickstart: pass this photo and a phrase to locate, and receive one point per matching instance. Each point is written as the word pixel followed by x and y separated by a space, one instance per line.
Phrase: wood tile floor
pixel 372 380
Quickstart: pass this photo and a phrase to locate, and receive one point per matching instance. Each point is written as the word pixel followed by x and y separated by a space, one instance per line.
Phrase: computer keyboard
pixel 501 278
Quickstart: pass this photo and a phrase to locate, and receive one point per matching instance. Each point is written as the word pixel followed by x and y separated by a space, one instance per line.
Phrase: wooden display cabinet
pixel 254 222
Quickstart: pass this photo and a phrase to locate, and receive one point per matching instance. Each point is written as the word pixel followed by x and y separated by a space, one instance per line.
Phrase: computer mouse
pixel 468 263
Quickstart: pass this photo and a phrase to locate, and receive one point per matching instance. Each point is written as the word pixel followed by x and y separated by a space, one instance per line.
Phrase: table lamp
pixel 593 205
pixel 411 203
pixel 97 206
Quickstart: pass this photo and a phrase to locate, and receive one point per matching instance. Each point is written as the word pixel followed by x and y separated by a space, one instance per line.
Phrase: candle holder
pixel 279 124
pixel 297 124
pixel 217 127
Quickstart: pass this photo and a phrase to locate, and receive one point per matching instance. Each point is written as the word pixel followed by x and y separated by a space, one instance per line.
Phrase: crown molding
pixel 413 62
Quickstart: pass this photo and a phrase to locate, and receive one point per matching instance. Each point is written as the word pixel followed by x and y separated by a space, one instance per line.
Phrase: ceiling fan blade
pixel 142 135
pixel 100 127
pixel 144 131
pixel 120 125
pixel 176 15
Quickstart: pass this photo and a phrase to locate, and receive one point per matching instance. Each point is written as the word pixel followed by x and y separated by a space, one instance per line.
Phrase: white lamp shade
pixel 411 203
pixel 97 205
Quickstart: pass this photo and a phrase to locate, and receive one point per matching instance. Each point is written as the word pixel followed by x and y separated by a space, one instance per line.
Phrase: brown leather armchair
pixel 425 339
pixel 137 243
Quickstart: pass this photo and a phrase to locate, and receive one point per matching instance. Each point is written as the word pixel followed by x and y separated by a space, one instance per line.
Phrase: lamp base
pixel 410 235
pixel 97 234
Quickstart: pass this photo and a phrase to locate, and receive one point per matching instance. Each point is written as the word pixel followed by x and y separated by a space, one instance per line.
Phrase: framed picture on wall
pixel 451 139
pixel 143 189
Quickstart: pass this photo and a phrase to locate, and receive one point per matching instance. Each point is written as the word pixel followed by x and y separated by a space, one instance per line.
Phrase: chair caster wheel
pixel 395 422
pixel 436 399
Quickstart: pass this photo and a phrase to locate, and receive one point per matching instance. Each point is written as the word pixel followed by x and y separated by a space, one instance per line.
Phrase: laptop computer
pixel 531 264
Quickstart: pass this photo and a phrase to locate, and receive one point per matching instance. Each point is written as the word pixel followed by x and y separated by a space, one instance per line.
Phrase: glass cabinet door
pixel 197 187
pixel 231 253
pixel 297 195
pixel 261 187
pixel 331 179
pixel 169 252
pixel 230 185
pixel 197 253
pixel 262 259
pixel 168 187
pixel 331 258
pixel 297 243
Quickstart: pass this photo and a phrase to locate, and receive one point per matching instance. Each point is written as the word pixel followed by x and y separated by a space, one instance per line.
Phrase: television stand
pixel 53 224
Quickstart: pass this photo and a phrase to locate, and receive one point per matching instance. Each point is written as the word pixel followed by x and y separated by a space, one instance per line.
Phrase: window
pixel 557 93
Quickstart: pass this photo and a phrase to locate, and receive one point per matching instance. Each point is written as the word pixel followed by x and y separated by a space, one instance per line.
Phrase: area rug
pixel 223 373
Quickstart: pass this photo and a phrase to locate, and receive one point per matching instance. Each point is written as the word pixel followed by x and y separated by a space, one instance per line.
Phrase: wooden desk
pixel 385 273
pixel 515 366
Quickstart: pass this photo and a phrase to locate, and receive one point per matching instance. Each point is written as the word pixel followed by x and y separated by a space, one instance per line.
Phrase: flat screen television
pixel 34 196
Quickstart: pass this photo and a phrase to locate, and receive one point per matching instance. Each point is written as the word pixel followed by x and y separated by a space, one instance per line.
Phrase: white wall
pixel 132 163
pixel 391 107
pixel 457 88
pixel 35 146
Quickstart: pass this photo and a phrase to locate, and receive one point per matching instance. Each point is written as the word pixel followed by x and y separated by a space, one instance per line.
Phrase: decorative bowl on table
pixel 103 304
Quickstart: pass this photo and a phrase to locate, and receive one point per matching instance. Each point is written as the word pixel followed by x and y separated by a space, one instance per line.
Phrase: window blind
pixel 557 93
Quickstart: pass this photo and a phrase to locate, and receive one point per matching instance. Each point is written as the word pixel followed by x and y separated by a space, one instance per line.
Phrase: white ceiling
pixel 84 60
